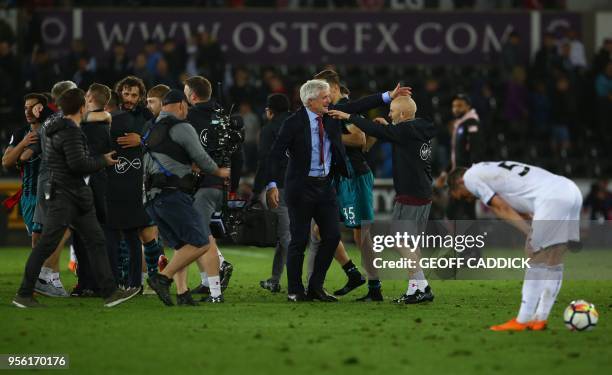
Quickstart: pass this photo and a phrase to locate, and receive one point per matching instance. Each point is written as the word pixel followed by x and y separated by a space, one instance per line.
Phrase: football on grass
pixel 580 315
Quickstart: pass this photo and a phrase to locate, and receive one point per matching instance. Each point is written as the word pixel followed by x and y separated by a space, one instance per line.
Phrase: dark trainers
pixel 298 297
pixel 185 299
pixel 26 302
pixel 271 285
pixel 119 296
pixel 201 289
pixel 374 295
pixel 401 299
pixel 78 291
pixel 355 280
pixel 420 297
pixel 161 285
pixel 225 274
pixel 211 299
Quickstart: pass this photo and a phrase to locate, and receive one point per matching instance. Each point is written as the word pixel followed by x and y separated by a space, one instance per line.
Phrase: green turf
pixel 256 332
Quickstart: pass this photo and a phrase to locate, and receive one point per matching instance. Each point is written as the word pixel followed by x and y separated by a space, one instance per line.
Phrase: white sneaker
pixel 48 289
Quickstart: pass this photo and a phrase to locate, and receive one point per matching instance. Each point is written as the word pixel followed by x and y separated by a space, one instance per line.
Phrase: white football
pixel 580 315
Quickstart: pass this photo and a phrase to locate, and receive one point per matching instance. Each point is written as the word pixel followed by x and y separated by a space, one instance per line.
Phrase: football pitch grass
pixel 256 332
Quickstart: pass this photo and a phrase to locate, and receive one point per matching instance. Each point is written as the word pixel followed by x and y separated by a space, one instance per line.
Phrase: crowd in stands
pixel 552 110
pixel 308 4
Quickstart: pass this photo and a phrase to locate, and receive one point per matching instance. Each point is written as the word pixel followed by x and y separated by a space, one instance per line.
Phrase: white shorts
pixel 556 217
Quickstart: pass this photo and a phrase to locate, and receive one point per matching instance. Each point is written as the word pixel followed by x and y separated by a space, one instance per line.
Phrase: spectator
pixel 210 59
pixel 72 61
pixel 546 59
pixel 599 201
pixel 603 83
pixel 515 106
pixel 540 110
pixel 175 58
pixel 119 64
pixel 251 136
pixel 603 88
pixel 42 73
pixel 141 71
pixel 152 55
pixel 242 90
pixel 577 54
pixel 9 76
pixel 163 75
pixel 566 66
pixel 83 76
pixel 276 85
pixel 511 54
pixel 564 113
pixel 191 57
pixel 485 103
pixel 603 57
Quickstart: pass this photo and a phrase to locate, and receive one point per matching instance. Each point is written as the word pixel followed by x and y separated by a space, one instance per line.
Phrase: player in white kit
pixel 516 191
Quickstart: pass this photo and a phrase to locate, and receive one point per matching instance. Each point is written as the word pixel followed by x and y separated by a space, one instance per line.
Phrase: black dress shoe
pixel 298 297
pixel 321 295
pixel 271 285
pixel 355 280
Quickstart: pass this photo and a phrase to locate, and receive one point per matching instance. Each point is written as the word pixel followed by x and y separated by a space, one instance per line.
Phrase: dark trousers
pixel 76 210
pixel 97 182
pixel 134 269
pixel 317 200
pixel 84 270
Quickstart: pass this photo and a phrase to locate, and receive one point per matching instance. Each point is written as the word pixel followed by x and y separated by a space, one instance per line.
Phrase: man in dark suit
pixel 316 153
pixel 277 111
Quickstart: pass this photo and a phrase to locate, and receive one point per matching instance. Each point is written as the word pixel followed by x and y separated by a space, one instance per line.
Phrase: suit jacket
pixel 295 137
pixel 267 136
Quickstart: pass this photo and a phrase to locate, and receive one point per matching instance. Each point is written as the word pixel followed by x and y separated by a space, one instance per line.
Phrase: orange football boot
pixel 537 325
pixel 511 325
pixel 72 266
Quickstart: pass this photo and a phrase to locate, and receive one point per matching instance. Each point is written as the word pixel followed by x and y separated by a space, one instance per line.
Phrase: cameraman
pixel 209 196
pixel 277 110
pixel 171 151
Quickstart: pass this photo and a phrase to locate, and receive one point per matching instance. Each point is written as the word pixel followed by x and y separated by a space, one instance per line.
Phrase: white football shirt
pixel 520 185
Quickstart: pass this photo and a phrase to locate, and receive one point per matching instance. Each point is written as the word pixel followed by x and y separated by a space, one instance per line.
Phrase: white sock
pixel 45 274
pixel 204 278
pixel 418 281
pixel 55 280
pixel 215 286
pixel 533 285
pixel 221 258
pixel 144 277
pixel 554 279
pixel 73 257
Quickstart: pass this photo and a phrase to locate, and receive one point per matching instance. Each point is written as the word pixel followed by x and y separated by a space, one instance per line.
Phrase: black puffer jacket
pixel 67 156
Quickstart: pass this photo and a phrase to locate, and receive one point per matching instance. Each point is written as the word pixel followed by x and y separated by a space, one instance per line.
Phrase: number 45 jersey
pixel 524 187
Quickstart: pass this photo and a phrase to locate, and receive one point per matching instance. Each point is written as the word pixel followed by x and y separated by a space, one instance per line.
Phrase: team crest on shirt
pixel 124 164
pixel 204 137
pixel 425 151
